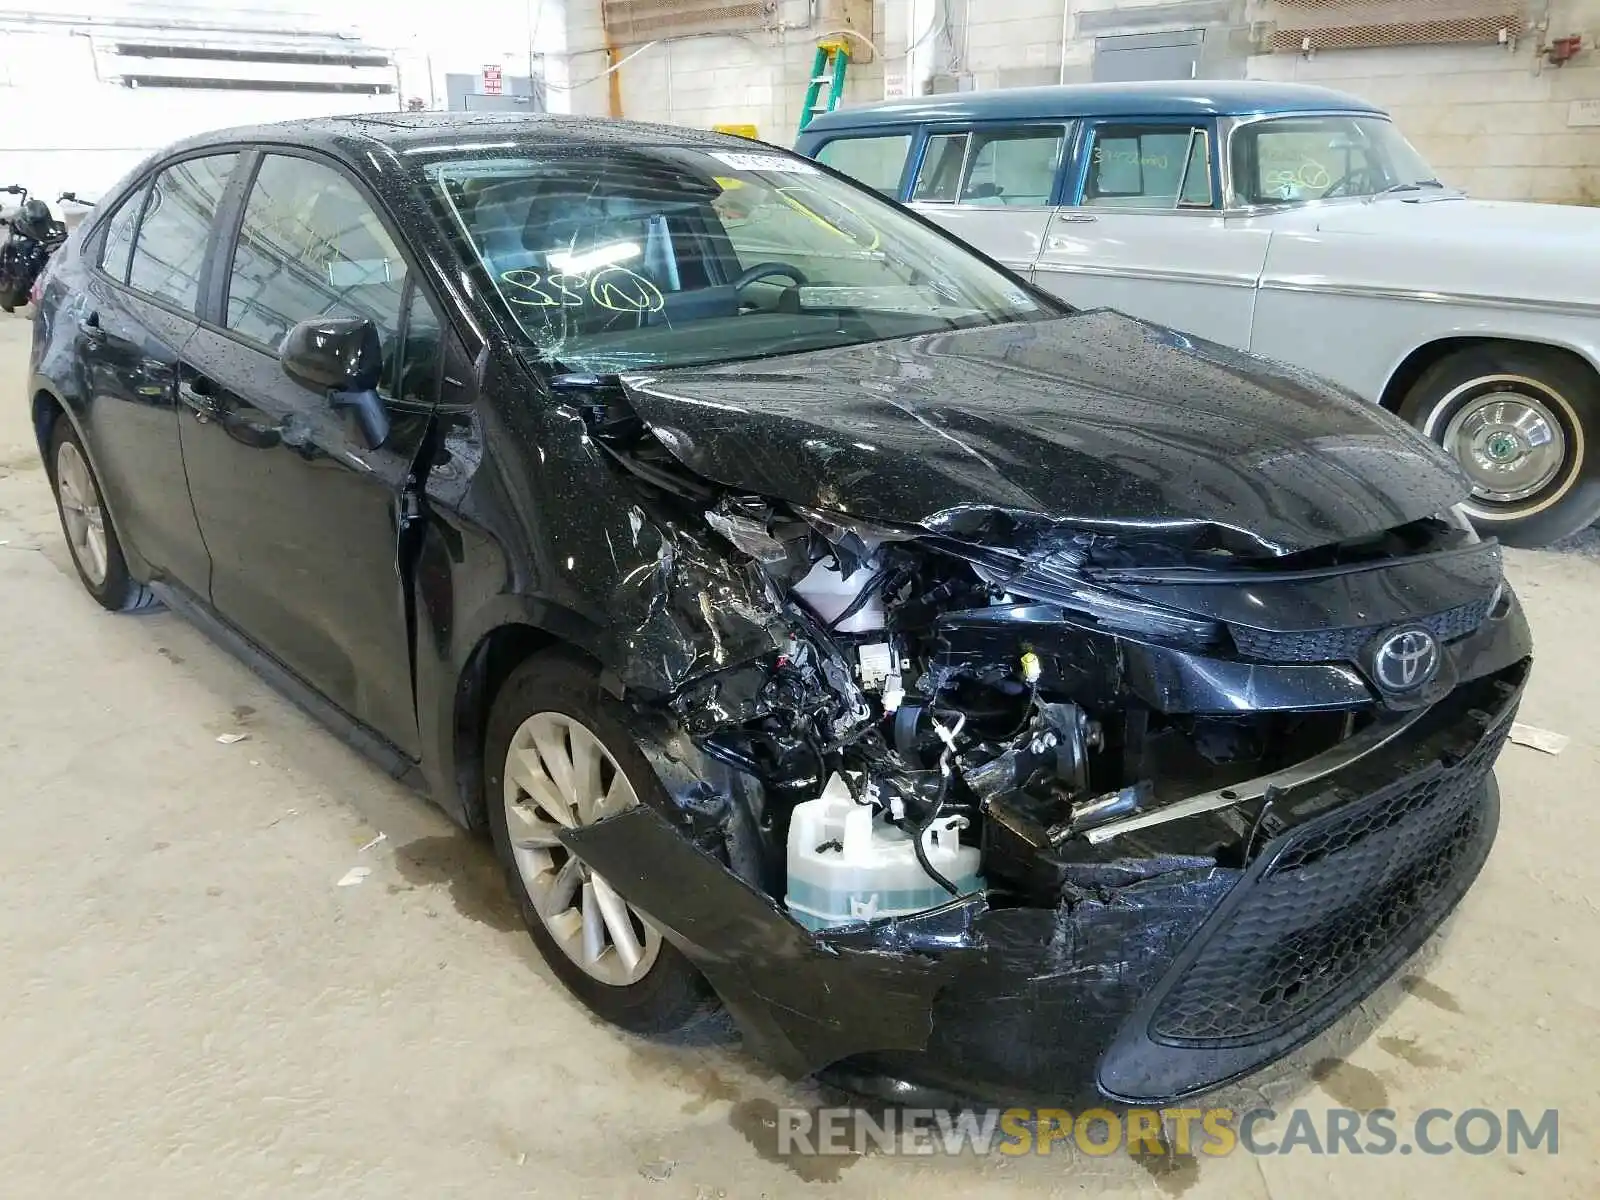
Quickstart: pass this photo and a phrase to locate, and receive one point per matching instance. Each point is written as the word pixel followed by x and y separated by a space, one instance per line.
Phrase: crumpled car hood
pixel 1094 421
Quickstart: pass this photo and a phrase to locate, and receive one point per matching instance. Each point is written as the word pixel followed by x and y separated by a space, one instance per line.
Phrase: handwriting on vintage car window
pixel 1310 174
pixel 1297 165
pixel 1129 158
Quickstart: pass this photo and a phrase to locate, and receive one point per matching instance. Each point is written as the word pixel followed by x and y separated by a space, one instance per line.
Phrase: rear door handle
pixel 1077 218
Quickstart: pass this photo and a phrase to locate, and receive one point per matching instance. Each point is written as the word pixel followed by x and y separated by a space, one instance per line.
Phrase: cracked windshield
pixel 677 256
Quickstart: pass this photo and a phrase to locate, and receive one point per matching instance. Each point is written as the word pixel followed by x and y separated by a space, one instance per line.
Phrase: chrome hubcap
pixel 81 513
pixel 1510 441
pixel 559 775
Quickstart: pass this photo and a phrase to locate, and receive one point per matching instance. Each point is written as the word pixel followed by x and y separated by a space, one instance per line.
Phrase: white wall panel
pixel 1492 119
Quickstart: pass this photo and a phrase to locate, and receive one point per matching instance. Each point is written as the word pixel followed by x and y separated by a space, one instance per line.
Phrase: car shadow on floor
pixel 466 868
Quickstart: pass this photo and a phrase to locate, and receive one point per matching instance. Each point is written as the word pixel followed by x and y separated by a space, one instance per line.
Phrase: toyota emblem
pixel 1406 660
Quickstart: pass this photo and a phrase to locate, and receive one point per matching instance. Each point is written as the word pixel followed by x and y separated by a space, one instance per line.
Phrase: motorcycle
pixel 35 235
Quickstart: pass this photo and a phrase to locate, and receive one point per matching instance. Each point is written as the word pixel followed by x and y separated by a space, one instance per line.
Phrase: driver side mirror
pixel 342 356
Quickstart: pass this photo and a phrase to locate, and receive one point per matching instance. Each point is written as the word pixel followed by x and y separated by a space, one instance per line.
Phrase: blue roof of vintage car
pixel 1200 97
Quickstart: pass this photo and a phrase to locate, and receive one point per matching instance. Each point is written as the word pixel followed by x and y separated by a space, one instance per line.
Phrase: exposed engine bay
pixel 1006 679
pixel 1021 736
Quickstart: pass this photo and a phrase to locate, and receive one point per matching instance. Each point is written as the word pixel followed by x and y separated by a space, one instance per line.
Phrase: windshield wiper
pixel 1409 187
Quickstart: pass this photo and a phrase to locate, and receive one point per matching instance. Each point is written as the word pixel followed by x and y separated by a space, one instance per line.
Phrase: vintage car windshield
pixel 679 256
pixel 1299 159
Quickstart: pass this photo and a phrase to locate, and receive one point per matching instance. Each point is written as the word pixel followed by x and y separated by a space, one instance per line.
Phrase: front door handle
pixel 195 393
pixel 1077 218
pixel 295 431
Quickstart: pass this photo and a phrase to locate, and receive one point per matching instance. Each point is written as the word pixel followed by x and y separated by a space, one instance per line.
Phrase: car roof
pixel 443 131
pixel 1182 98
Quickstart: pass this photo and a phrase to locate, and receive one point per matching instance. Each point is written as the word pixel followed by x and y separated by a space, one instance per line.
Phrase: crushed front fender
pixel 1156 975
pixel 801 1002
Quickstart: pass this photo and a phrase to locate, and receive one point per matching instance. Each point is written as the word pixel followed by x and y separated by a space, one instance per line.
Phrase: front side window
pixel 667 256
pixel 418 363
pixel 171 245
pixel 117 249
pixel 311 246
pixel 1291 160
pixel 875 161
pixel 1156 166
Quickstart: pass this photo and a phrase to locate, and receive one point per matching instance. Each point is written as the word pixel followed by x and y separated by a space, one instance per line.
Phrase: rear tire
pixel 1523 422
pixel 91 534
pixel 551 709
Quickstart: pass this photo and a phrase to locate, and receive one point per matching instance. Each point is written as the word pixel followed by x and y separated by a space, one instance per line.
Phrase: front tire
pixel 91 534
pixel 556 754
pixel 1523 422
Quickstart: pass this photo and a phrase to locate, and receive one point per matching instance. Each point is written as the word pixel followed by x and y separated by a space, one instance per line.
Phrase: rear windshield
pixel 678 256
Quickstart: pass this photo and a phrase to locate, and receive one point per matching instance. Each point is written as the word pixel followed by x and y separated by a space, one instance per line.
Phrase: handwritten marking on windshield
pixel 614 288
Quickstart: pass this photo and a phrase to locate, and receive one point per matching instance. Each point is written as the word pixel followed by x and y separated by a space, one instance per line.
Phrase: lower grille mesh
pixel 1333 904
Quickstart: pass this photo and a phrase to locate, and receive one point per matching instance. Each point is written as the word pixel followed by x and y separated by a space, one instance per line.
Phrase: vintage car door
pixel 994 186
pixel 1143 232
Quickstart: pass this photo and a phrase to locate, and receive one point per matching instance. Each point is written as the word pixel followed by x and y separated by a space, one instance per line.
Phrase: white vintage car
pixel 1293 222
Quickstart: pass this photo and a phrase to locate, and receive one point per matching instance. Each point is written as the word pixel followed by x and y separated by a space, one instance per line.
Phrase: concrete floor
pixel 193 1008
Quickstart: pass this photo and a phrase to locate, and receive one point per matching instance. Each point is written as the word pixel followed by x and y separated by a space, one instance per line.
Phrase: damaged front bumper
pixel 1157 974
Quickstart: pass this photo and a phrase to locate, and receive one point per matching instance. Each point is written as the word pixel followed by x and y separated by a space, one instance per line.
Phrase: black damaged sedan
pixel 649 496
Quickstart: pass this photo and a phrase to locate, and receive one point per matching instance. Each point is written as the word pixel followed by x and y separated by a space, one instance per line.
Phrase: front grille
pixel 1345 645
pixel 1334 904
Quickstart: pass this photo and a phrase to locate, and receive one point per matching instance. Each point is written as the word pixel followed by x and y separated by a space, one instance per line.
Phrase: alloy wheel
pixel 559 775
pixel 82 513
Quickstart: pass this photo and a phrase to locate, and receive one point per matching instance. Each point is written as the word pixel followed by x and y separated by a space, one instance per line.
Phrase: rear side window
pixel 1150 166
pixel 875 161
pixel 311 246
pixel 171 245
pixel 1013 166
pixel 939 179
pixel 992 166
pixel 117 248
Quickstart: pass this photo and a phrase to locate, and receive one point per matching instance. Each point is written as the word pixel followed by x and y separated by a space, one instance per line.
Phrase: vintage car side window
pixel 311 246
pixel 1013 166
pixel 171 245
pixel 939 178
pixel 1196 190
pixel 117 249
pixel 875 161
pixel 1149 167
